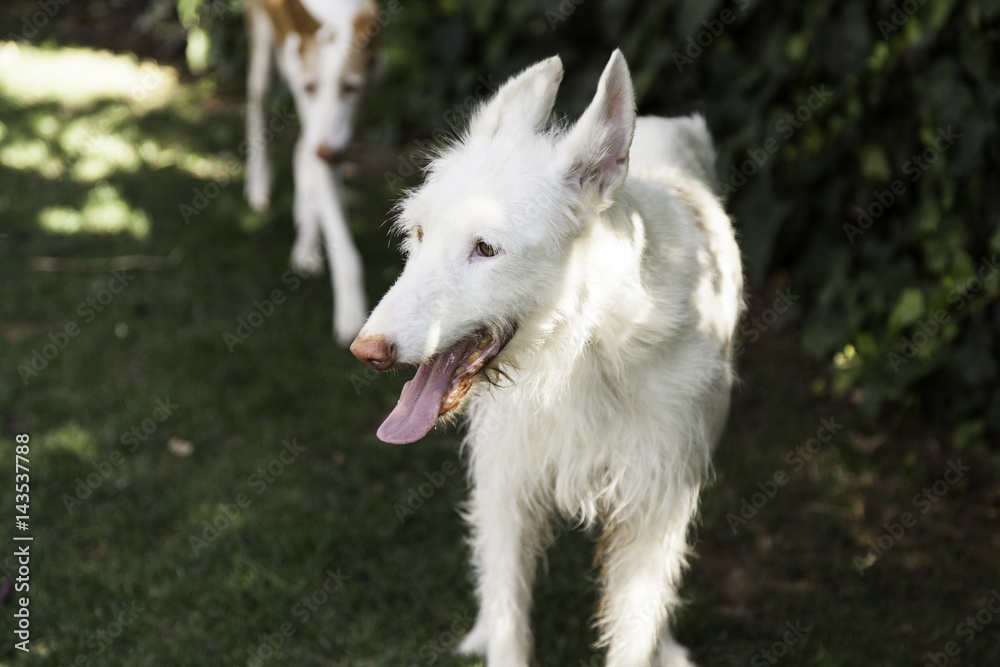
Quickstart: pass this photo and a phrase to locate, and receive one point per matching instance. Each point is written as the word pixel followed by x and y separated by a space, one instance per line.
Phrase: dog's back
pixel 682 143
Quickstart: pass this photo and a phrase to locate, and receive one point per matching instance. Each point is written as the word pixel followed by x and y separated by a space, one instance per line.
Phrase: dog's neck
pixel 600 286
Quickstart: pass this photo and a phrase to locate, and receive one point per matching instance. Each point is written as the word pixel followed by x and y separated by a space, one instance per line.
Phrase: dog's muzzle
pixel 374 351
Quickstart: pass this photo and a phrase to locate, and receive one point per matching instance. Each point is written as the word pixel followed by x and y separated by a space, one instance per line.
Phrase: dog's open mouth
pixel 439 386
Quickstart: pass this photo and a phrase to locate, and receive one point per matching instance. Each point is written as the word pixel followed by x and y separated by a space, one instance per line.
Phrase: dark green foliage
pixel 887 278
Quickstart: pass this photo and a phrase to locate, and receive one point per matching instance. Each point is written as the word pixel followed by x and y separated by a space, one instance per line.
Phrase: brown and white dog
pixel 325 52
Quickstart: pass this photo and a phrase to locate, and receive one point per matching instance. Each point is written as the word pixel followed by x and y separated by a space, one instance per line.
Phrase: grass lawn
pixel 206 492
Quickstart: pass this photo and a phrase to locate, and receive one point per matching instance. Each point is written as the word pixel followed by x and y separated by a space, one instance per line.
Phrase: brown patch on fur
pixel 613 536
pixel 603 546
pixel 685 198
pixel 288 16
pixel 248 11
pixel 365 44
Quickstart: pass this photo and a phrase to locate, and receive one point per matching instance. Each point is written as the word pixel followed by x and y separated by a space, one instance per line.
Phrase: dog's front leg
pixel 349 308
pixel 508 531
pixel 642 561
pixel 307 257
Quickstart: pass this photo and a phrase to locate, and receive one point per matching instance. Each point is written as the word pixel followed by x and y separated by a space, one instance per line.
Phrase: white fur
pixel 626 293
pixel 314 75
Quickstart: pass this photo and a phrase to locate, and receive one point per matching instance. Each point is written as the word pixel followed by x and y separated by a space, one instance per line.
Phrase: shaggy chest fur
pixel 599 398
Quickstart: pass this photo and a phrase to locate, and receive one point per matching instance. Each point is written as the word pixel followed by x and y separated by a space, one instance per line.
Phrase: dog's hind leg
pixel 508 536
pixel 642 565
pixel 258 171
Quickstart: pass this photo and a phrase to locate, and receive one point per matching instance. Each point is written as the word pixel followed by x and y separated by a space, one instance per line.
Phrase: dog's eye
pixel 311 88
pixel 484 249
pixel 349 87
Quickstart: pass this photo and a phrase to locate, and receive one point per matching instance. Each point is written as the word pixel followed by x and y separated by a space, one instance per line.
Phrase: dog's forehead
pixel 469 214
pixel 481 184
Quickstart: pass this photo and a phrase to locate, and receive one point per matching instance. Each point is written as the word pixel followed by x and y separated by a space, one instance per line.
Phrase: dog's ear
pixel 367 30
pixel 596 149
pixel 524 100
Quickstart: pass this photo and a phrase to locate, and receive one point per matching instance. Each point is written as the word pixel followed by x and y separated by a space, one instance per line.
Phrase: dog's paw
pixel 347 327
pixel 257 187
pixel 307 261
pixel 672 654
pixel 475 642
pixel 259 201
pixel 349 315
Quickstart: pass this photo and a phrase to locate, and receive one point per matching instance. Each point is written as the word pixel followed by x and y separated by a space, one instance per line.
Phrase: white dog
pixel 581 309
pixel 325 52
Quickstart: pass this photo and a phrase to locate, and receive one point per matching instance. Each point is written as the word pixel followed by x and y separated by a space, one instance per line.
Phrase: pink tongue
pixel 420 401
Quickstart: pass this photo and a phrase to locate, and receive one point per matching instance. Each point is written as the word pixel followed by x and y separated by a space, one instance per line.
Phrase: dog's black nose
pixel 374 351
pixel 329 154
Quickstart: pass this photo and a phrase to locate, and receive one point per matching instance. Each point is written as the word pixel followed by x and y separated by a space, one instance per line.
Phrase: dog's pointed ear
pixel 596 149
pixel 525 100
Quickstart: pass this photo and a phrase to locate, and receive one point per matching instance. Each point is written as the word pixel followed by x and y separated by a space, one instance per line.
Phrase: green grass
pixel 400 590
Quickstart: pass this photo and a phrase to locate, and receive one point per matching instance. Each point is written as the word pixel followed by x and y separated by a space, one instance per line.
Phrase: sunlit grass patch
pixel 200 165
pixel 73 438
pixel 83 116
pixel 105 144
pixel 104 212
pixel 103 158
pixel 31 154
pixel 76 77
